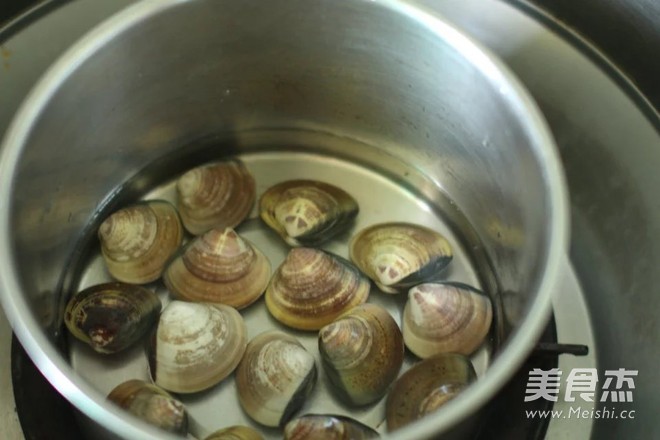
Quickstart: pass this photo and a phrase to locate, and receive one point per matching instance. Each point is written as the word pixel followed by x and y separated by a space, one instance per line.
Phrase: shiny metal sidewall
pixel 142 85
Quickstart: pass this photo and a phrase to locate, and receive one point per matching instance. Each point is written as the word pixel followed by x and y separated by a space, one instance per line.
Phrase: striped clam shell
pixel 137 241
pixel 311 288
pixel 237 432
pixel 362 353
pixel 327 427
pixel 218 195
pixel 219 267
pixel 426 387
pixel 397 256
pixel 445 318
pixel 307 212
pixel 152 404
pixel 195 346
pixel 274 378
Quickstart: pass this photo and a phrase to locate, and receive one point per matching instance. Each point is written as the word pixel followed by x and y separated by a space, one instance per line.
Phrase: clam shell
pixel 235 433
pixel 274 378
pixel 152 404
pixel 397 256
pixel 362 353
pixel 219 267
pixel 327 427
pixel 445 318
pixel 137 241
pixel 218 195
pixel 307 212
pixel 195 346
pixel 425 387
pixel 311 288
pixel 113 316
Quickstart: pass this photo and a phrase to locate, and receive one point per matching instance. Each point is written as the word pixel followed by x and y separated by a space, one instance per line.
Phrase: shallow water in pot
pixel 380 197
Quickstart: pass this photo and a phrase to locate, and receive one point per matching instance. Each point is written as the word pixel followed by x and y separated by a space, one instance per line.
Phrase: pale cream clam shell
pixel 218 195
pixel 137 241
pixel 307 212
pixel 397 256
pixel 274 378
pixel 445 318
pixel 195 346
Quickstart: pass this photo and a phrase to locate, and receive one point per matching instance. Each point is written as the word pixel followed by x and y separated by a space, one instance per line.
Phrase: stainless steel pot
pixel 148 84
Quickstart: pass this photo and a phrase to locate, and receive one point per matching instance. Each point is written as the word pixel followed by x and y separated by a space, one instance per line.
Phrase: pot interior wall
pixel 201 79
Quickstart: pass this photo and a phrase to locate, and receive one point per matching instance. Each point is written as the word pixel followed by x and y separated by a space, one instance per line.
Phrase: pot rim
pixel 93 404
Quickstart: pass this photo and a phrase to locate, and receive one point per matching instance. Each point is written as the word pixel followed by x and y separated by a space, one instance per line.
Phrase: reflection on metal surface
pixel 592 121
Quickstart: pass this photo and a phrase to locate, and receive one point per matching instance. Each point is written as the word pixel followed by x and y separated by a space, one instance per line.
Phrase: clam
pixel 237 432
pixel 218 195
pixel 274 378
pixel 219 267
pixel 397 256
pixel 327 427
pixel 311 288
pixel 137 241
pixel 362 352
pixel 307 212
pixel 152 404
pixel 445 318
pixel 111 317
pixel 195 346
pixel 425 387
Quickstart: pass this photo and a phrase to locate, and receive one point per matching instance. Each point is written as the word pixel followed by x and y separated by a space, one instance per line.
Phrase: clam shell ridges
pixel 445 318
pixel 307 212
pixel 195 346
pixel 151 404
pixel 274 378
pixel 235 433
pixel 426 386
pixel 219 267
pixel 399 255
pixel 111 317
pixel 312 288
pixel 363 352
pixel 218 195
pixel 137 241
pixel 327 427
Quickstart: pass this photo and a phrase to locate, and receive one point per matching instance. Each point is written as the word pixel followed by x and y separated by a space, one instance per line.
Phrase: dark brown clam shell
pixel 425 387
pixel 327 427
pixel 111 317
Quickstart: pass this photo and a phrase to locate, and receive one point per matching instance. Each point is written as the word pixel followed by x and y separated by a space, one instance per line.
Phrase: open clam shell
pixel 327 427
pixel 362 352
pixel 425 387
pixel 274 378
pixel 219 267
pixel 237 432
pixel 195 346
pixel 152 404
pixel 445 318
pixel 218 195
pixel 137 241
pixel 311 288
pixel 397 256
pixel 307 212
pixel 111 317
